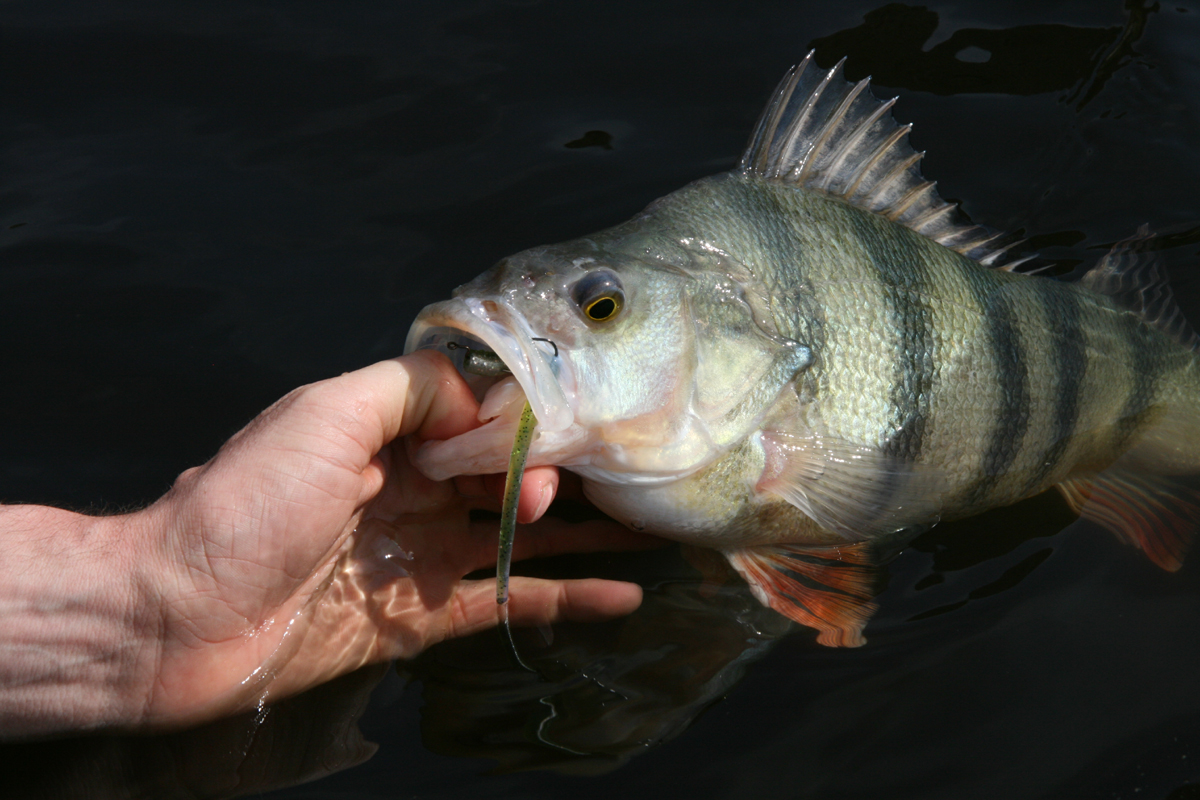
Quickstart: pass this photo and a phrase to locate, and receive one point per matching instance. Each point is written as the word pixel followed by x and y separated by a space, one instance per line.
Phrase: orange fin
pixel 824 587
pixel 1155 513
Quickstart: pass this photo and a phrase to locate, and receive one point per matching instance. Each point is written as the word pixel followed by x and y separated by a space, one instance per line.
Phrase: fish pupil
pixel 602 309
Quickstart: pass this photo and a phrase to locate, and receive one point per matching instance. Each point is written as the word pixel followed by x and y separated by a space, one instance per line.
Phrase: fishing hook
pixel 547 341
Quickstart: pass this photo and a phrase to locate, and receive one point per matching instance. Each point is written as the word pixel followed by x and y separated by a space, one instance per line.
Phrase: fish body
pixel 809 355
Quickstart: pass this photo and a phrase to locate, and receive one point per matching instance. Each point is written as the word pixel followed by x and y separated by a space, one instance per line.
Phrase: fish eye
pixel 599 295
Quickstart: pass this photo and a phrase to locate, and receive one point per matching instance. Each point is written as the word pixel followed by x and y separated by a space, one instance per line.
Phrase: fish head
pixel 600 342
pixel 644 358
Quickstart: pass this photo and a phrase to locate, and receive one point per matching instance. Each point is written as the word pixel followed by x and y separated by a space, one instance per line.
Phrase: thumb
pixel 420 393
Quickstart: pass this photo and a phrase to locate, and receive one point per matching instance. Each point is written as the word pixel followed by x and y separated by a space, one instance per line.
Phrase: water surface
pixel 203 205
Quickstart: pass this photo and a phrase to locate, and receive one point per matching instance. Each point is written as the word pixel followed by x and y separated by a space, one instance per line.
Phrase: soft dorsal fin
pixel 822 132
pixel 1133 276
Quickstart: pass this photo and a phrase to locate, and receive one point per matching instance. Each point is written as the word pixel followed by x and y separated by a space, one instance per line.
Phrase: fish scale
pixel 812 358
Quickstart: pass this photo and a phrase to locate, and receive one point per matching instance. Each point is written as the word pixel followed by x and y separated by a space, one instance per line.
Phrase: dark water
pixel 204 205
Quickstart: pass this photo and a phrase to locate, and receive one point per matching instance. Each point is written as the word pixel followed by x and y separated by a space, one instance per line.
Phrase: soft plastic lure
pixel 508 515
pixel 481 362
pixel 488 364
pixel 508 521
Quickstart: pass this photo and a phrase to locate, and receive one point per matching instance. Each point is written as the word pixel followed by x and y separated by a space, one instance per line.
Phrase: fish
pixel 804 362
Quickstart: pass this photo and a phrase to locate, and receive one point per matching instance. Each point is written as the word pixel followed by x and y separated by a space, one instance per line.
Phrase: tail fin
pixel 1150 497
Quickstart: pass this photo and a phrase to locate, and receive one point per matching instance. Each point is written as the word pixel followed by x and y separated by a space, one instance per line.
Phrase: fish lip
pixel 497 324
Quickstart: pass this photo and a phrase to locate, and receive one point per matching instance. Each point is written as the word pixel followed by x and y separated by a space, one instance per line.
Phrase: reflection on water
pixel 602 693
pixel 298 740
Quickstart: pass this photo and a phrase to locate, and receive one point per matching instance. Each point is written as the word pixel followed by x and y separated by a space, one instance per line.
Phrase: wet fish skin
pixel 984 386
pixel 813 357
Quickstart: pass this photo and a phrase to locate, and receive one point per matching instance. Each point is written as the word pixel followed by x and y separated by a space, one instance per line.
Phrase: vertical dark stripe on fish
pixel 1060 307
pixel 913 369
pixel 904 284
pixel 791 303
pixel 1011 374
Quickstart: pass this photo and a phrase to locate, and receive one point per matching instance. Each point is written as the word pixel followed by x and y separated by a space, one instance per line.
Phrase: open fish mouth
pixel 456 328
pixel 458 325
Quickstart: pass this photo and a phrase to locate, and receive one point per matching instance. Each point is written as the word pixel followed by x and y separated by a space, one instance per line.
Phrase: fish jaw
pixel 486 449
pixel 541 375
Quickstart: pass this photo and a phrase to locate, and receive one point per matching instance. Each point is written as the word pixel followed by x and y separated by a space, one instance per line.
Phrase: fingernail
pixel 544 501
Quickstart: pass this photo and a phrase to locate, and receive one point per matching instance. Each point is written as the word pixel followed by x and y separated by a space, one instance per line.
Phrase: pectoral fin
pixel 859 492
pixel 828 588
pixel 1156 513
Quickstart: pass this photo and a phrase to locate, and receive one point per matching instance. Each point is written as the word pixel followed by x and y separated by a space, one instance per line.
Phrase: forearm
pixel 77 643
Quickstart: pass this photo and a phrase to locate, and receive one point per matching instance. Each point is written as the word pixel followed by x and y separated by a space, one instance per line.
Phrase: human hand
pixel 310 546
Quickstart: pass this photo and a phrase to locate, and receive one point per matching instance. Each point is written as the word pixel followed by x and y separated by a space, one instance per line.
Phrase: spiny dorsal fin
pixel 821 132
pixel 1132 275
